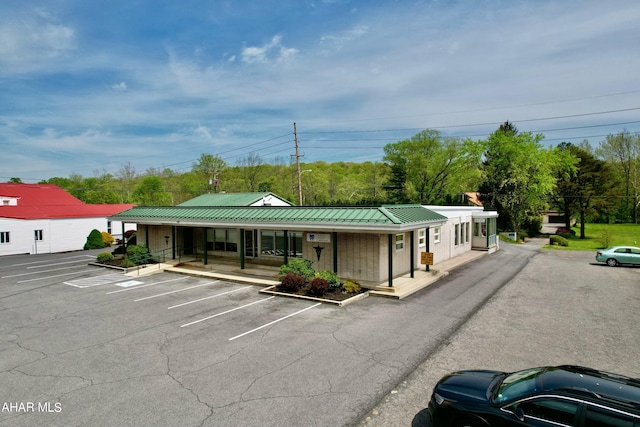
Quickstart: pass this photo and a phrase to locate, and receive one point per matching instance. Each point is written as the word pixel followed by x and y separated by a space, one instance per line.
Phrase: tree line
pixel 511 171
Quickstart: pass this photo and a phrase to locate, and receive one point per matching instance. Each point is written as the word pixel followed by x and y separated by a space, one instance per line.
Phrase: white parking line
pixel 41 262
pixel 202 299
pixel 35 272
pixel 173 292
pixel 57 263
pixel 144 286
pixel 275 321
pixel 57 275
pixel 225 312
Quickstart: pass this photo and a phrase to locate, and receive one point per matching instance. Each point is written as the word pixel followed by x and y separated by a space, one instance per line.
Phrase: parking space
pixel 168 349
pixel 186 301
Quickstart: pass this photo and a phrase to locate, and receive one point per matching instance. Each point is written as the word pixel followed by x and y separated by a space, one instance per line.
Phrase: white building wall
pixel 58 235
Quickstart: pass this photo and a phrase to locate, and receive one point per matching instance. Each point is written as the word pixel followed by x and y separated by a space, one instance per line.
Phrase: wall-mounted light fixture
pixel 166 240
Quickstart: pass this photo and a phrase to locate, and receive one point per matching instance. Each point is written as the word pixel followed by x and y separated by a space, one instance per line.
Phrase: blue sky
pixel 87 86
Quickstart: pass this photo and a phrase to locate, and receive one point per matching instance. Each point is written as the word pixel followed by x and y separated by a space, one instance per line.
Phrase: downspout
pixel 390 244
pixel 335 252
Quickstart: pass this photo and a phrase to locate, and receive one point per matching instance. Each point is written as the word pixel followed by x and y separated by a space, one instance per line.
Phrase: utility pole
pixel 295 135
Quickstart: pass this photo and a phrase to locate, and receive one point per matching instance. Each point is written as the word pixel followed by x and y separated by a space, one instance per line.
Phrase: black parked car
pixel 548 396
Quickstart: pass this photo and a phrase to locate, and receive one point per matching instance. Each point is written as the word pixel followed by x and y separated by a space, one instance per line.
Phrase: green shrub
pixel 299 267
pixel 558 240
pixel 332 278
pixel 104 257
pixel 138 254
pixel 318 287
pixel 94 240
pixel 126 263
pixel 351 287
pixel 292 282
pixel 107 239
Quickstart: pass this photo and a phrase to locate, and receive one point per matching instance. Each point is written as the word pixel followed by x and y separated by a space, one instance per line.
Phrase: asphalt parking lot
pixel 88 346
pixel 563 308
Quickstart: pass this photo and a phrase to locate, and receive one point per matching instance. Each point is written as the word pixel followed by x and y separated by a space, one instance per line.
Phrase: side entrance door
pixel 251 243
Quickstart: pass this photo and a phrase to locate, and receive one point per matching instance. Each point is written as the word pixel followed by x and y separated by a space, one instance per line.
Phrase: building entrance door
pixel 251 243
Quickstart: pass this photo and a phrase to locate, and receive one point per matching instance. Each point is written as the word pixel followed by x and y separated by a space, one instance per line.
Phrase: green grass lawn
pixel 619 234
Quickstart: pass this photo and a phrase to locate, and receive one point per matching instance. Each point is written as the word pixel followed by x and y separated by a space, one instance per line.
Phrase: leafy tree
pixel 623 150
pixel 210 168
pixel 151 192
pixel 518 175
pixel 429 168
pixel 15 180
pixel 586 189
pixel 127 175
pixel 251 170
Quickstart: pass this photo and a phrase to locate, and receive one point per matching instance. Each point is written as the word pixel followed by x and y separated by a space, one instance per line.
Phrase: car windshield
pixel 518 384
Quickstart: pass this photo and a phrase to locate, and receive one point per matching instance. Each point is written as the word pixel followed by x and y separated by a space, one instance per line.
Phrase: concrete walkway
pixel 403 286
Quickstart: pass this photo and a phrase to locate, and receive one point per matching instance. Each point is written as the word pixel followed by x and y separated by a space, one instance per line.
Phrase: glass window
pixel 551 409
pixel 4 237
pixel 457 235
pixel 399 242
pixel 272 243
pixel 267 242
pixel 598 417
pixel 231 244
pixel 37 235
pixel 468 227
pixel 422 237
pixel 436 235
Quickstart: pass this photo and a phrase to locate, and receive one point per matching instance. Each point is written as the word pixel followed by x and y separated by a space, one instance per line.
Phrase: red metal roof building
pixel 43 218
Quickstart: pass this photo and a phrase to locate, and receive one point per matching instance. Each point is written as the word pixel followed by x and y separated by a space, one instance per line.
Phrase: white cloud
pixel 268 52
pixel 119 86
pixel 26 42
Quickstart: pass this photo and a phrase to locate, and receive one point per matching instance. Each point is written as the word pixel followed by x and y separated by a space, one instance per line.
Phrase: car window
pixel 551 409
pixel 635 251
pixel 621 251
pixel 597 417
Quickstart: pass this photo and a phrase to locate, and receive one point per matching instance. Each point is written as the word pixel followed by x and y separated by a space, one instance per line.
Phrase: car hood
pixel 467 385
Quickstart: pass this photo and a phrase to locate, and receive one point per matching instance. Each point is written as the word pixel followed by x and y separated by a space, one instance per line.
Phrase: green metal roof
pixel 229 199
pixel 352 217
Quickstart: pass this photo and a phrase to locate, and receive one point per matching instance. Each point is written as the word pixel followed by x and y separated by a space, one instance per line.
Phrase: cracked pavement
pixel 108 360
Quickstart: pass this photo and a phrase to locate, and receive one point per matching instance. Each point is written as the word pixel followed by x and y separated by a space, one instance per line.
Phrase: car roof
pixel 602 385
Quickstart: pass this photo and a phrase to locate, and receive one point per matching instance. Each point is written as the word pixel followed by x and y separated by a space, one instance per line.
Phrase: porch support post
pixel 488 230
pixel 146 235
pixel 391 246
pixel 335 252
pixel 241 249
pixel 124 241
pixel 286 246
pixel 412 241
pixel 204 246
pixel 173 242
pixel 427 237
